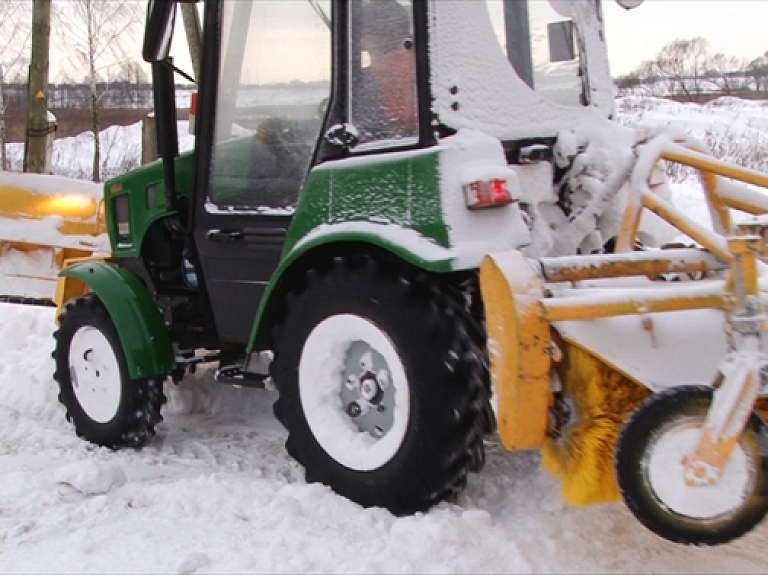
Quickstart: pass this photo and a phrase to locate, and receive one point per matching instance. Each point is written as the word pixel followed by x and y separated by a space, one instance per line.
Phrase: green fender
pixel 145 339
pixel 407 244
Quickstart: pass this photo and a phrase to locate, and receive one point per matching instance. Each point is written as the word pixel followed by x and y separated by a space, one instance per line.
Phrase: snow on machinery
pixel 683 362
pixel 357 258
pixel 45 220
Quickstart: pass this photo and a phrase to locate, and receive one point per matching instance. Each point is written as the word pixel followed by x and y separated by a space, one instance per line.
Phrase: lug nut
pixel 354 410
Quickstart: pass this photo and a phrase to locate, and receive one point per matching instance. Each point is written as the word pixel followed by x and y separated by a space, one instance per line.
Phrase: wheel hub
pixel 368 396
pixel 95 374
pixel 695 495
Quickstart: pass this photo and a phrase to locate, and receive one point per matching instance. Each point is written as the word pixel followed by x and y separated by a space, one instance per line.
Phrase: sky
pixel 734 27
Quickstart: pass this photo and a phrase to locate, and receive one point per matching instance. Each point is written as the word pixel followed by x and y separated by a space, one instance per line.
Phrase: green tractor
pixel 354 161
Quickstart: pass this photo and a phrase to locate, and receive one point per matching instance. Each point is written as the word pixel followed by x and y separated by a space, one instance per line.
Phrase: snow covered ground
pixel 216 492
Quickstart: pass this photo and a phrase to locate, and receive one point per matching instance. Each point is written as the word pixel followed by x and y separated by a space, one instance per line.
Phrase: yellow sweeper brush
pixel 45 220
pixel 638 388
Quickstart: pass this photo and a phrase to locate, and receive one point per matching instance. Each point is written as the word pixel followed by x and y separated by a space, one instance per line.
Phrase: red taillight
pixel 487 194
pixel 192 112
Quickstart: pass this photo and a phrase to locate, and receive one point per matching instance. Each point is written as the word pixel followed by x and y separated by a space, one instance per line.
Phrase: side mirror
pixel 629 4
pixel 158 32
pixel 561 45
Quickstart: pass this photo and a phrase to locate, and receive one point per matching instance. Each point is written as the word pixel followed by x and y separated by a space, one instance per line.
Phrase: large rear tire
pixel 105 405
pixel 649 468
pixel 383 387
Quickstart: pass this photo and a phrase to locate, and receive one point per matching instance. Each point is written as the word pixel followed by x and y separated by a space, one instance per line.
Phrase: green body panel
pixel 145 189
pixel 143 334
pixel 401 188
pixel 391 201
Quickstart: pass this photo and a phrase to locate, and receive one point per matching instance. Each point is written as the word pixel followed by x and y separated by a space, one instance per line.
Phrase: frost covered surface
pixel 45 231
pixel 669 453
pixel 319 389
pixel 474 85
pixel 466 157
pixel 384 231
pixel 663 350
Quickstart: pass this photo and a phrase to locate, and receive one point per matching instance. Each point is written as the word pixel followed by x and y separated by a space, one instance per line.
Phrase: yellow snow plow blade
pixel 45 220
pixel 562 385
pixel 519 347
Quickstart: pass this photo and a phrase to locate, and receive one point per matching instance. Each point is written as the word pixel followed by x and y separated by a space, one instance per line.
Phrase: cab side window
pixel 383 96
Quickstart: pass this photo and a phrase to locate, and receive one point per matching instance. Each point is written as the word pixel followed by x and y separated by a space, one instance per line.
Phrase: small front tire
pixel 649 469
pixel 105 405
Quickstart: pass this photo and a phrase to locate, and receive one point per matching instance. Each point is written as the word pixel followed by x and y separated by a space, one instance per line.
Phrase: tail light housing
pixel 482 194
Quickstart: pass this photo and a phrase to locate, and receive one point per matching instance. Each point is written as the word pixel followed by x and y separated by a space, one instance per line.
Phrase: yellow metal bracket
pixel 520 312
pixel 740 379
pixel 519 346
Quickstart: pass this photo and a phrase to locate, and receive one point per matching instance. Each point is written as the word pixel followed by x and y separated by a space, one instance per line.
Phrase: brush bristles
pixel 582 457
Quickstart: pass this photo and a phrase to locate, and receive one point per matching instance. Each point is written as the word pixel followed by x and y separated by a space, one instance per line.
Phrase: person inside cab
pixel 385 102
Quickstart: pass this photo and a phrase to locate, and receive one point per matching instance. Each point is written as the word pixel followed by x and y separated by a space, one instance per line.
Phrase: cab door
pixel 265 78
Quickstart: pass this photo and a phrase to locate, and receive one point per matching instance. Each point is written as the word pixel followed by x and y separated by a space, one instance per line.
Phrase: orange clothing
pixel 395 73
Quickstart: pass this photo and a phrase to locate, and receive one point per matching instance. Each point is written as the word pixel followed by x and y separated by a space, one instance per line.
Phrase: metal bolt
pixel 354 410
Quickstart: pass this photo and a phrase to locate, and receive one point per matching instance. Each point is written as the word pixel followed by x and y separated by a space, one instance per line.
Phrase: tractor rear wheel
pixel 649 468
pixel 382 387
pixel 105 405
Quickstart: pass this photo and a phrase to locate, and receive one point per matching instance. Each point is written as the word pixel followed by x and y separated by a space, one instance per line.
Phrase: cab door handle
pixel 224 236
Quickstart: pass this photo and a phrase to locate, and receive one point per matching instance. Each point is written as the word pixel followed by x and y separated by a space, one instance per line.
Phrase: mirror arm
pixel 166 131
pixel 179 71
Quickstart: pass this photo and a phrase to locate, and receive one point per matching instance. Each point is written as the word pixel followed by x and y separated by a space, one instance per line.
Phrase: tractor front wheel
pixel 382 387
pixel 649 466
pixel 105 405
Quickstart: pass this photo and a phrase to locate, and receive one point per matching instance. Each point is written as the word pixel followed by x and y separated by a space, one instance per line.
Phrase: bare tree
pixel 684 68
pixel 680 67
pixel 683 65
pixel 645 81
pixel 15 27
pixel 757 69
pixel 727 73
pixel 99 36
pixel 128 79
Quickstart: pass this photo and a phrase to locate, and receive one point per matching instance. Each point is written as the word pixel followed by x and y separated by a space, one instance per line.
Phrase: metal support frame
pixel 521 309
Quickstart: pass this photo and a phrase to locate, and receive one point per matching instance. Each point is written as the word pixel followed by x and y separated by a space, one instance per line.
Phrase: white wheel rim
pixel 95 374
pixel 322 370
pixel 664 470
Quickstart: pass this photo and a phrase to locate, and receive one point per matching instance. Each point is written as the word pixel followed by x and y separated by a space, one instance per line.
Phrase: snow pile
pixel 735 130
pixel 45 185
pixel 90 477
